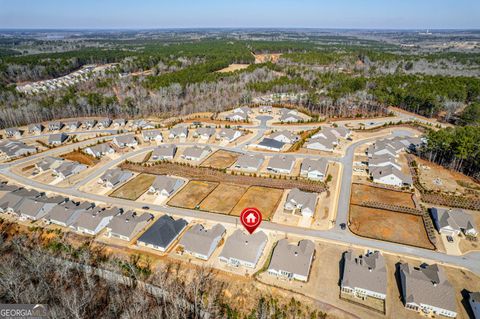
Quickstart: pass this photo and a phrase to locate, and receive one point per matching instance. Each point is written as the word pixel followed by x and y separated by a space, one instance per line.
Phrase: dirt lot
pixel 81 158
pixel 233 67
pixel 264 198
pixel 221 159
pixel 437 178
pixel 192 194
pixel 390 226
pixel 223 198
pixel 362 193
pixel 134 188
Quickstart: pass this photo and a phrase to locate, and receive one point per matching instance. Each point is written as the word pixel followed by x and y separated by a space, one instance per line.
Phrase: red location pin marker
pixel 250 219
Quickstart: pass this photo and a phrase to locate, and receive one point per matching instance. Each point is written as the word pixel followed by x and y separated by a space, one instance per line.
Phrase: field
pixel 192 194
pixel 390 226
pixel 81 158
pixel 134 188
pixel 361 193
pixel 264 198
pixel 221 159
pixel 223 198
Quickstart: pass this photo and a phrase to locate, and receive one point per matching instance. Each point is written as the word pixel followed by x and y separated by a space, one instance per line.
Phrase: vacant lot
pixel 390 226
pixel 266 199
pixel 192 194
pixel 135 188
pixel 223 198
pixel 233 67
pixel 361 193
pixel 81 158
pixel 221 159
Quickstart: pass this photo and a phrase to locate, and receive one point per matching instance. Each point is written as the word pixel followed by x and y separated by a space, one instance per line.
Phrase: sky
pixel 146 14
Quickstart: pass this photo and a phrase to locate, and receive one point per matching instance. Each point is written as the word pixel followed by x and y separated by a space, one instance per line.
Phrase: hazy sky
pixel 392 14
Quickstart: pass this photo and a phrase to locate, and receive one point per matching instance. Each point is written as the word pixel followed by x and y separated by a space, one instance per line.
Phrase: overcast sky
pixel 137 14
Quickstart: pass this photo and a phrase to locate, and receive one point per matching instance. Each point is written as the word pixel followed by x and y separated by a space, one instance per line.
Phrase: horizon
pixel 302 14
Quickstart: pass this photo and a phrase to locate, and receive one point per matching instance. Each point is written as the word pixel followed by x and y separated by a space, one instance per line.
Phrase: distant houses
pixel 13 132
pixel 35 128
pixel 292 261
pixel 241 249
pixel 204 133
pixel 57 139
pixel 178 132
pixel 13 149
pixel 162 233
pixel 48 163
pixel 152 135
pixel 123 141
pixel 426 289
pixel 200 242
pixel 285 136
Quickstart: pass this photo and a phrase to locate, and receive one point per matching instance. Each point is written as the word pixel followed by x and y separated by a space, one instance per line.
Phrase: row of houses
pixel 382 160
pixel 327 139
pixel 13 149
pixel 424 289
pixel 59 167
pixel 315 169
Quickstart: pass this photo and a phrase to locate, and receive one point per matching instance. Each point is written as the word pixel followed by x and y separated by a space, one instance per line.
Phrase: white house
pixel 315 169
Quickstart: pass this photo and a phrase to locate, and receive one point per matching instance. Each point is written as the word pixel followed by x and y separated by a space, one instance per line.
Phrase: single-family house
pixel 196 153
pixel 162 233
pixel 383 161
pixel 249 162
pixel 315 169
pixel 94 220
pixel 13 149
pixel 114 177
pixel 55 126
pixel 292 261
pixel 285 137
pixel 164 153
pixel 200 242
pixel 119 123
pixel 35 128
pixel 426 289
pixel 37 207
pixel 68 168
pixel 242 110
pixel 142 124
pixel 127 225
pixel 67 213
pixel 228 135
pixel 453 222
pixel 165 185
pixel 13 132
pixel 72 125
pixel 389 175
pixel 290 118
pixel 204 132
pixel 242 249
pixel 265 109
pixel 270 145
pixel 99 150
pixel 152 135
pixel 123 141
pixel 178 132
pixel 301 202
pixel 57 139
pixel 89 123
pixel 237 117
pixel 48 162
pixel 322 142
pixel 364 277
pixel 10 201
pixel 281 164
pixel 104 123
pixel 474 301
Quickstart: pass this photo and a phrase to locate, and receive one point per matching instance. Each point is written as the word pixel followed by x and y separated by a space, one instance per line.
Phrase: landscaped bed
pixel 133 189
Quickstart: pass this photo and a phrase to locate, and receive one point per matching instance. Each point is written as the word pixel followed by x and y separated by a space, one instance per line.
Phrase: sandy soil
pixel 233 67
pixel 192 194
pixel 264 198
pixel 221 159
pixel 134 188
pixel 362 193
pixel 223 198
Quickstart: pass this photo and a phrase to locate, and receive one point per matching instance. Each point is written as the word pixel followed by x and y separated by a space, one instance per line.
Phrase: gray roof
pixel 242 116
pixel 13 199
pixel 381 159
pixel 379 172
pixel 243 246
pixel 199 239
pixel 164 151
pixel 196 151
pixel 116 176
pixel 310 164
pixel 64 212
pixel 169 184
pixel 179 130
pixel 299 199
pixel 294 258
pixel 250 161
pixel 281 162
pixel 151 133
pixel 73 123
pixel 12 131
pixel 456 218
pixel 32 206
pixel 68 168
pixel 126 223
pixel 365 272
pixel 90 122
pixel 271 143
pixel 125 139
pixel 290 118
pixel 427 285
pixel 289 135
pixel 208 131
pixel 227 133
pixel 57 138
pixel 35 127
pixel 90 219
pixel 163 231
pixel 119 121
pixel 100 148
pixel 15 148
pixel 48 162
pixel 105 122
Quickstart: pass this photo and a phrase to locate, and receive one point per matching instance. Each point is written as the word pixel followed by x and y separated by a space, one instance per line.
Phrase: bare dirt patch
pixel 363 193
pixel 270 57
pixel 133 189
pixel 221 159
pixel 81 157
pixel 387 225
pixel 266 199
pixel 223 198
pixel 192 194
pixel 233 67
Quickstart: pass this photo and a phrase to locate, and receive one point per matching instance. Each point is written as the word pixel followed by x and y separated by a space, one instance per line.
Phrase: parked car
pixel 450 239
pixel 145 207
pixel 343 226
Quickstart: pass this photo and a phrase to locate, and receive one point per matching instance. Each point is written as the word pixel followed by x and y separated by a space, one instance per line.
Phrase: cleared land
pixel 134 188
pixel 390 226
pixel 81 158
pixel 221 159
pixel 233 67
pixel 223 198
pixel 362 193
pixel 266 199
pixel 192 194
